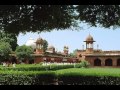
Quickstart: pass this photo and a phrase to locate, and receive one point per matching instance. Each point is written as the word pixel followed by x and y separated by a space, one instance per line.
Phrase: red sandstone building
pixel 50 55
pixel 98 57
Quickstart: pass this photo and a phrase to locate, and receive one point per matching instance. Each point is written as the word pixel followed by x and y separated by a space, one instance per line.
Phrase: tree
pixel 73 54
pixel 10 38
pixel 39 18
pixel 5 50
pixel 24 52
pixel 45 45
pixel 26 18
pixel 104 15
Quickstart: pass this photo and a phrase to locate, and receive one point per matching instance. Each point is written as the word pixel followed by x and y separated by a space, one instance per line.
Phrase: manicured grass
pixel 113 72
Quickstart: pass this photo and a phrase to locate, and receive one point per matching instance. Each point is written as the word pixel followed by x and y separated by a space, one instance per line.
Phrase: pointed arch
pixel 97 62
pixel 118 62
pixel 108 62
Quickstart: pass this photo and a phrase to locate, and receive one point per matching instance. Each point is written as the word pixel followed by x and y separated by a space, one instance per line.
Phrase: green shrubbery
pixel 38 67
pixel 89 80
pixel 26 78
pixel 37 75
pixel 82 64
pixel 90 76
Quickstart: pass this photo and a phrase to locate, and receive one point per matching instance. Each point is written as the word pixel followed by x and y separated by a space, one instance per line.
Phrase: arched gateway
pixel 108 62
pixel 97 62
pixel 118 62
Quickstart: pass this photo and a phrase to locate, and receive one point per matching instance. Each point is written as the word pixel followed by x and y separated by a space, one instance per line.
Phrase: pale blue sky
pixel 108 39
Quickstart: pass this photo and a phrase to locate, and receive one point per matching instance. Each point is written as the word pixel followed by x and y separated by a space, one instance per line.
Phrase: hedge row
pixel 89 76
pixel 89 80
pixel 27 78
pixel 38 68
pixel 49 79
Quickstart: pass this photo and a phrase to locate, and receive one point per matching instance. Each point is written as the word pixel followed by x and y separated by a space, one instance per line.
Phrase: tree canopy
pixel 26 18
pixel 45 45
pixel 5 50
pixel 104 15
pixel 10 38
pixel 24 52
pixel 39 18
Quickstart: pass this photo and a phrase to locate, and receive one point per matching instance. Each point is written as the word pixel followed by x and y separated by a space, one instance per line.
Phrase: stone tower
pixel 89 44
pixel 66 49
pixel 39 46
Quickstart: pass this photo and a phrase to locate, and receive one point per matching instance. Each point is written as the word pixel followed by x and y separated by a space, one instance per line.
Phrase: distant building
pixel 50 55
pixel 31 42
pixel 97 57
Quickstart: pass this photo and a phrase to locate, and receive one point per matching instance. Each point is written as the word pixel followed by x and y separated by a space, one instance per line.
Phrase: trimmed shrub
pixel 27 78
pixel 89 80
pixel 84 63
pixel 38 67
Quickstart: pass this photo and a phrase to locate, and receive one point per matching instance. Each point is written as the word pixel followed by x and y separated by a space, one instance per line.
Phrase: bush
pixel 89 80
pixel 37 67
pixel 27 78
pixel 84 63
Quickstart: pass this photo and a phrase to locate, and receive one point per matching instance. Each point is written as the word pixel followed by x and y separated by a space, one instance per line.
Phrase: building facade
pixel 97 57
pixel 50 55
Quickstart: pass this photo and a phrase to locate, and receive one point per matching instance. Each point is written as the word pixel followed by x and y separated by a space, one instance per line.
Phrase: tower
pixel 66 50
pixel 89 44
pixel 39 46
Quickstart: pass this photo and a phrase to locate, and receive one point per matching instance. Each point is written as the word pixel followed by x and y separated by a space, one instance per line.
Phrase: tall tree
pixel 5 50
pixel 24 52
pixel 45 45
pixel 73 54
pixel 10 38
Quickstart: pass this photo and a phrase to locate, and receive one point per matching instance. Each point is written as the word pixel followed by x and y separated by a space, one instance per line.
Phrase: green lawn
pixel 114 72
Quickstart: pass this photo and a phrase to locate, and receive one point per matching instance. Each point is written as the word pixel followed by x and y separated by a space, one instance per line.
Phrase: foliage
pixel 104 15
pixel 45 45
pixel 10 38
pixel 24 52
pixel 26 78
pixel 89 76
pixel 73 76
pixel 73 54
pixel 5 50
pixel 84 63
pixel 26 18
pixel 37 67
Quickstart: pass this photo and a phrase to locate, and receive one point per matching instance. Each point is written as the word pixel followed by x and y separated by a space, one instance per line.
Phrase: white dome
pixel 31 42
pixel 51 46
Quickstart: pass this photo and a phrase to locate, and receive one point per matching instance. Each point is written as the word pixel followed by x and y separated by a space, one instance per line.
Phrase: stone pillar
pixel 102 62
pixel 114 62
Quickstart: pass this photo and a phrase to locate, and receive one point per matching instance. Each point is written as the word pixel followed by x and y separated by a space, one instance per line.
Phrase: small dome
pixel 66 47
pixel 39 41
pixel 31 42
pixel 89 38
pixel 51 46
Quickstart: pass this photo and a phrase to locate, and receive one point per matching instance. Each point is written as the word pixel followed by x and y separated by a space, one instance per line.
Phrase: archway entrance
pixel 31 61
pixel 108 62
pixel 97 62
pixel 118 62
